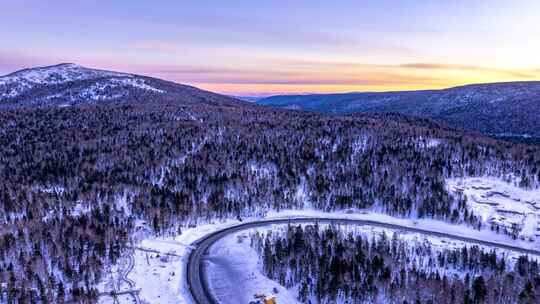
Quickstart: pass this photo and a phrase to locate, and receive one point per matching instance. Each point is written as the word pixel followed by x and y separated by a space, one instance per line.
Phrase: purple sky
pixel 257 47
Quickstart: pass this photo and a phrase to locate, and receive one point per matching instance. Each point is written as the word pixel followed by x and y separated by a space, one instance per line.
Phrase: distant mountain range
pixel 505 110
pixel 70 84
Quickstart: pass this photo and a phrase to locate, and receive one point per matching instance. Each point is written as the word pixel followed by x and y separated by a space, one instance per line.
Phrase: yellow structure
pixel 270 301
pixel 262 297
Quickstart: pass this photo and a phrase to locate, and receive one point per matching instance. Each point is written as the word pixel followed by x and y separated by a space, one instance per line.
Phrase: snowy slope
pixel 22 81
pixel 68 84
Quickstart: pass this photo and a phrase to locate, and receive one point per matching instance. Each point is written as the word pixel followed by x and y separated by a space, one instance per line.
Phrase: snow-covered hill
pixel 71 84
pixel 25 80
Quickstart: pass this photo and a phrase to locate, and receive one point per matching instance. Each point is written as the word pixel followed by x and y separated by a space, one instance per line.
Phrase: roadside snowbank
pixel 163 280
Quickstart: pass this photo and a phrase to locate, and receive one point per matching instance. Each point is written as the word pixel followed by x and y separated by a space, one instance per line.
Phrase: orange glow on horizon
pixel 365 82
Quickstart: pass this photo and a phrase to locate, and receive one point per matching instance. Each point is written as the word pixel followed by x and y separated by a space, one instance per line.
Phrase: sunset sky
pixel 268 47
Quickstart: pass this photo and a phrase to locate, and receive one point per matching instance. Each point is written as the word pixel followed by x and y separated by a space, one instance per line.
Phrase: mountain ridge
pixel 69 84
pixel 508 110
pixel 404 91
pixel 495 109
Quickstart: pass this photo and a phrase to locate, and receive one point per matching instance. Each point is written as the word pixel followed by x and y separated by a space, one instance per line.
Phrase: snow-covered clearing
pixel 501 204
pixel 137 83
pixel 163 280
pixel 158 274
pixel 427 143
pixel 234 272
pixel 159 267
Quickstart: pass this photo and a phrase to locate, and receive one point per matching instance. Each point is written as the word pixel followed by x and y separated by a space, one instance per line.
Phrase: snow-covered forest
pixel 329 264
pixel 76 180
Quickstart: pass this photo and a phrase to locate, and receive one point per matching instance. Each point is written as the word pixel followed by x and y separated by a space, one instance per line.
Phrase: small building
pixel 272 300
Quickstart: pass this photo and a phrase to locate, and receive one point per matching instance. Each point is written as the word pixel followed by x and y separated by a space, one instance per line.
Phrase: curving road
pixel 196 273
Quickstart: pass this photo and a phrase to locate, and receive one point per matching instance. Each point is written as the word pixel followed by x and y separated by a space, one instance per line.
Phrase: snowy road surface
pixel 233 272
pixel 197 267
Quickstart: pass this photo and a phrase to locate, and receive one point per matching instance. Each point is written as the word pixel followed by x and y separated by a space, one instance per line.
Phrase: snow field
pixel 500 204
pixel 235 274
